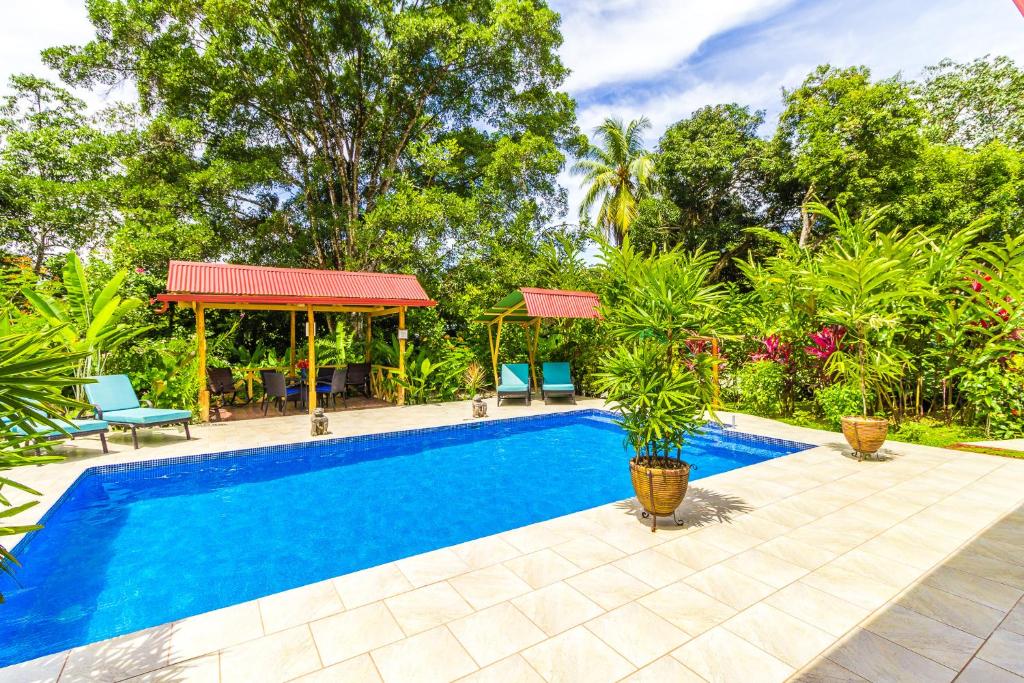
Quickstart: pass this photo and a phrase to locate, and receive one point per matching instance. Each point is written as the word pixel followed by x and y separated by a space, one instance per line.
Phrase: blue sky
pixel 665 58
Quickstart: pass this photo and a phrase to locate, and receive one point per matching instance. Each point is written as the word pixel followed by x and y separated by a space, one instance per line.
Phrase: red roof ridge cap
pixel 248 266
pixel 567 292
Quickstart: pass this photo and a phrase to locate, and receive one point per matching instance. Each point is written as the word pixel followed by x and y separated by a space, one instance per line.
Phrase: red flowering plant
pixel 824 343
pixel 774 349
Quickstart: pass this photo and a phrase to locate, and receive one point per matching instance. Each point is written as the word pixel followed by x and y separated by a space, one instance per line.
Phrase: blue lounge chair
pixel 557 381
pixel 115 402
pixel 71 429
pixel 515 382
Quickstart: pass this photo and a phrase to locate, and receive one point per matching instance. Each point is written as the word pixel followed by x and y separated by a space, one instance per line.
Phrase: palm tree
pixel 617 174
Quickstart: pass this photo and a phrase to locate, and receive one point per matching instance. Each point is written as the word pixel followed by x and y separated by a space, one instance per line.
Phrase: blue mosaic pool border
pixel 729 431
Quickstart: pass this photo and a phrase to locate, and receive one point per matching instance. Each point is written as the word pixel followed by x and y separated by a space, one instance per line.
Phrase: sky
pixel 666 58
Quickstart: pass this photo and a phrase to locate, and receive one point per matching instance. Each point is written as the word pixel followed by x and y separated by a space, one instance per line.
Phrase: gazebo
pixel 205 286
pixel 526 307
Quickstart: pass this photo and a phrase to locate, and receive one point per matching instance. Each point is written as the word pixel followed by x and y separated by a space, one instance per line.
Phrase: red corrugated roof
pixel 226 282
pixel 558 303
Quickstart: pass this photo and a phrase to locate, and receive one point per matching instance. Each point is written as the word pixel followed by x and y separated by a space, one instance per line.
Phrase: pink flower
pixel 774 350
pixel 826 342
pixel 140 270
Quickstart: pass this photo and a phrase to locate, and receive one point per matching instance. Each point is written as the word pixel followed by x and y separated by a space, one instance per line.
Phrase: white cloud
pixel 611 41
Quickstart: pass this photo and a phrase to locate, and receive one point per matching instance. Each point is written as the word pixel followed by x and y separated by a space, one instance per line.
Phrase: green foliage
pixel 837 401
pixel 760 385
pixel 89 322
pixel 164 371
pixel 33 372
pixel 996 393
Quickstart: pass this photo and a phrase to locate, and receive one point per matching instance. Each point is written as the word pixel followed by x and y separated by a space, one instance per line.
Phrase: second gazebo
pixel 527 306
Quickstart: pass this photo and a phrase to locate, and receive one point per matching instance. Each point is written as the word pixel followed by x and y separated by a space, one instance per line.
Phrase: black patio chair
pixel 221 383
pixel 331 389
pixel 359 377
pixel 276 390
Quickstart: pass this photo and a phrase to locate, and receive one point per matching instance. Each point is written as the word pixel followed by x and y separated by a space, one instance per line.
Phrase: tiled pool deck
pixel 812 566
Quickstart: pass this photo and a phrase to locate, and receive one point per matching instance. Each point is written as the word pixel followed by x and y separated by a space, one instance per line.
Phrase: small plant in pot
pixel 864 286
pixel 659 385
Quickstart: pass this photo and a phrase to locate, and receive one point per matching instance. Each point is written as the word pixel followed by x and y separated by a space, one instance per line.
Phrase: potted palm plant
pixel 659 385
pixel 865 286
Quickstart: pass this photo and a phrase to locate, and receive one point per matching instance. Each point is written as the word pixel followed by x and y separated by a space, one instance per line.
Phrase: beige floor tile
pixel 1006 552
pixel 824 670
pixel 727 538
pixel 299 606
pixel 495 633
pixel 542 568
pixel 964 614
pixel 117 658
pixel 653 568
pixel 815 607
pixel 940 642
pixel 855 582
pixel 212 631
pixel 431 657
pixel 489 586
pixel 980 671
pixel 587 552
pixel 785 637
pixel 687 608
pixel 913 554
pixel 359 669
pixel 763 528
pixel 696 555
pixel 1005 649
pixel 354 632
pixel 277 657
pixel 205 669
pixel 483 552
pixel 432 567
pixel 637 633
pixel 664 670
pixel 996 595
pixel 797 552
pixel 530 539
pixel 737 590
pixel 577 655
pixel 878 659
pixel 1015 619
pixel 720 656
pixel 609 586
pixel 427 607
pixel 828 537
pixel 557 607
pixel 370 585
pixel 45 668
pixel 766 568
pixel 512 669
pixel 989 568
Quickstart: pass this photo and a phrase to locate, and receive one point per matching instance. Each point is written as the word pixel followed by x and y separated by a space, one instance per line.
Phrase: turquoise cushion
pixel 559 387
pixel 112 392
pixel 556 373
pixel 70 427
pixel 513 388
pixel 515 374
pixel 145 416
pixel 87 425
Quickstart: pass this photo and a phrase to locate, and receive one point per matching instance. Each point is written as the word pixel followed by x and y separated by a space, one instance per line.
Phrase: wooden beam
pixel 204 392
pixel 291 350
pixel 369 338
pixel 531 347
pixel 387 311
pixel 494 353
pixel 401 355
pixel 311 371
pixel 296 307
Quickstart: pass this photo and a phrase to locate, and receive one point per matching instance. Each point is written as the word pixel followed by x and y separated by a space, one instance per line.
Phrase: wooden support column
pixel 204 392
pixel 311 371
pixel 714 373
pixel 401 354
pixel 369 338
pixel 531 347
pixel 291 353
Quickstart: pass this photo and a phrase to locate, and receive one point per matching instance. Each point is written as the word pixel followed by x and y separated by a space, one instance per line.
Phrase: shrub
pixel 760 387
pixel 837 401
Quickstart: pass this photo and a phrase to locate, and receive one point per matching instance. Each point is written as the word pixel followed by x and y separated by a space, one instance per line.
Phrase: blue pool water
pixel 133 546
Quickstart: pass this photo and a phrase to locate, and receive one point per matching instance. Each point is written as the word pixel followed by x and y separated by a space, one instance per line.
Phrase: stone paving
pixel 809 567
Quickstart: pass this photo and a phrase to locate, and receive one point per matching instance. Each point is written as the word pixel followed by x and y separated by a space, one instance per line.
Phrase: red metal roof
pixel 226 282
pixel 558 303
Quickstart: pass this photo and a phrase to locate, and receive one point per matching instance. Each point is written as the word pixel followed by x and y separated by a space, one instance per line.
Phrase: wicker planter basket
pixel 865 434
pixel 660 484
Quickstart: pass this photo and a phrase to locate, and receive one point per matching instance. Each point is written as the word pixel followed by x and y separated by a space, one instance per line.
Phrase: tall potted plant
pixel 865 285
pixel 659 385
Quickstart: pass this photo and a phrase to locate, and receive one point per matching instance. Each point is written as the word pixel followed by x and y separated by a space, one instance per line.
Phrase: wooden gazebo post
pixel 204 391
pixel 311 370
pixel 402 333
pixel 291 353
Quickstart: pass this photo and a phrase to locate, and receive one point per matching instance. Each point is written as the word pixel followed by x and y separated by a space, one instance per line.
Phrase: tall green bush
pixel 761 384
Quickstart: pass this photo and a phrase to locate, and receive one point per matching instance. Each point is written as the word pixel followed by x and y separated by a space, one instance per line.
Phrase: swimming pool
pixel 136 545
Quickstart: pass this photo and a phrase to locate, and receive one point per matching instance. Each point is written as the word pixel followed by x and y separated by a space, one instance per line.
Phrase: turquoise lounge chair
pixel 557 381
pixel 72 429
pixel 515 382
pixel 115 401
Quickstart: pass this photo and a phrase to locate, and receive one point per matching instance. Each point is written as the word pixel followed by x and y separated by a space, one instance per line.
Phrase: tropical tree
pixel 617 174
pixel 89 323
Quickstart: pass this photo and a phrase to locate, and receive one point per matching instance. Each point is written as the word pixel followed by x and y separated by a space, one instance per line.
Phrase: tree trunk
pixel 805 218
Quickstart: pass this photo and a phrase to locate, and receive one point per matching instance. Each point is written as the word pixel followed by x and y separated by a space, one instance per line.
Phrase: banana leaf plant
pixel 90 323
